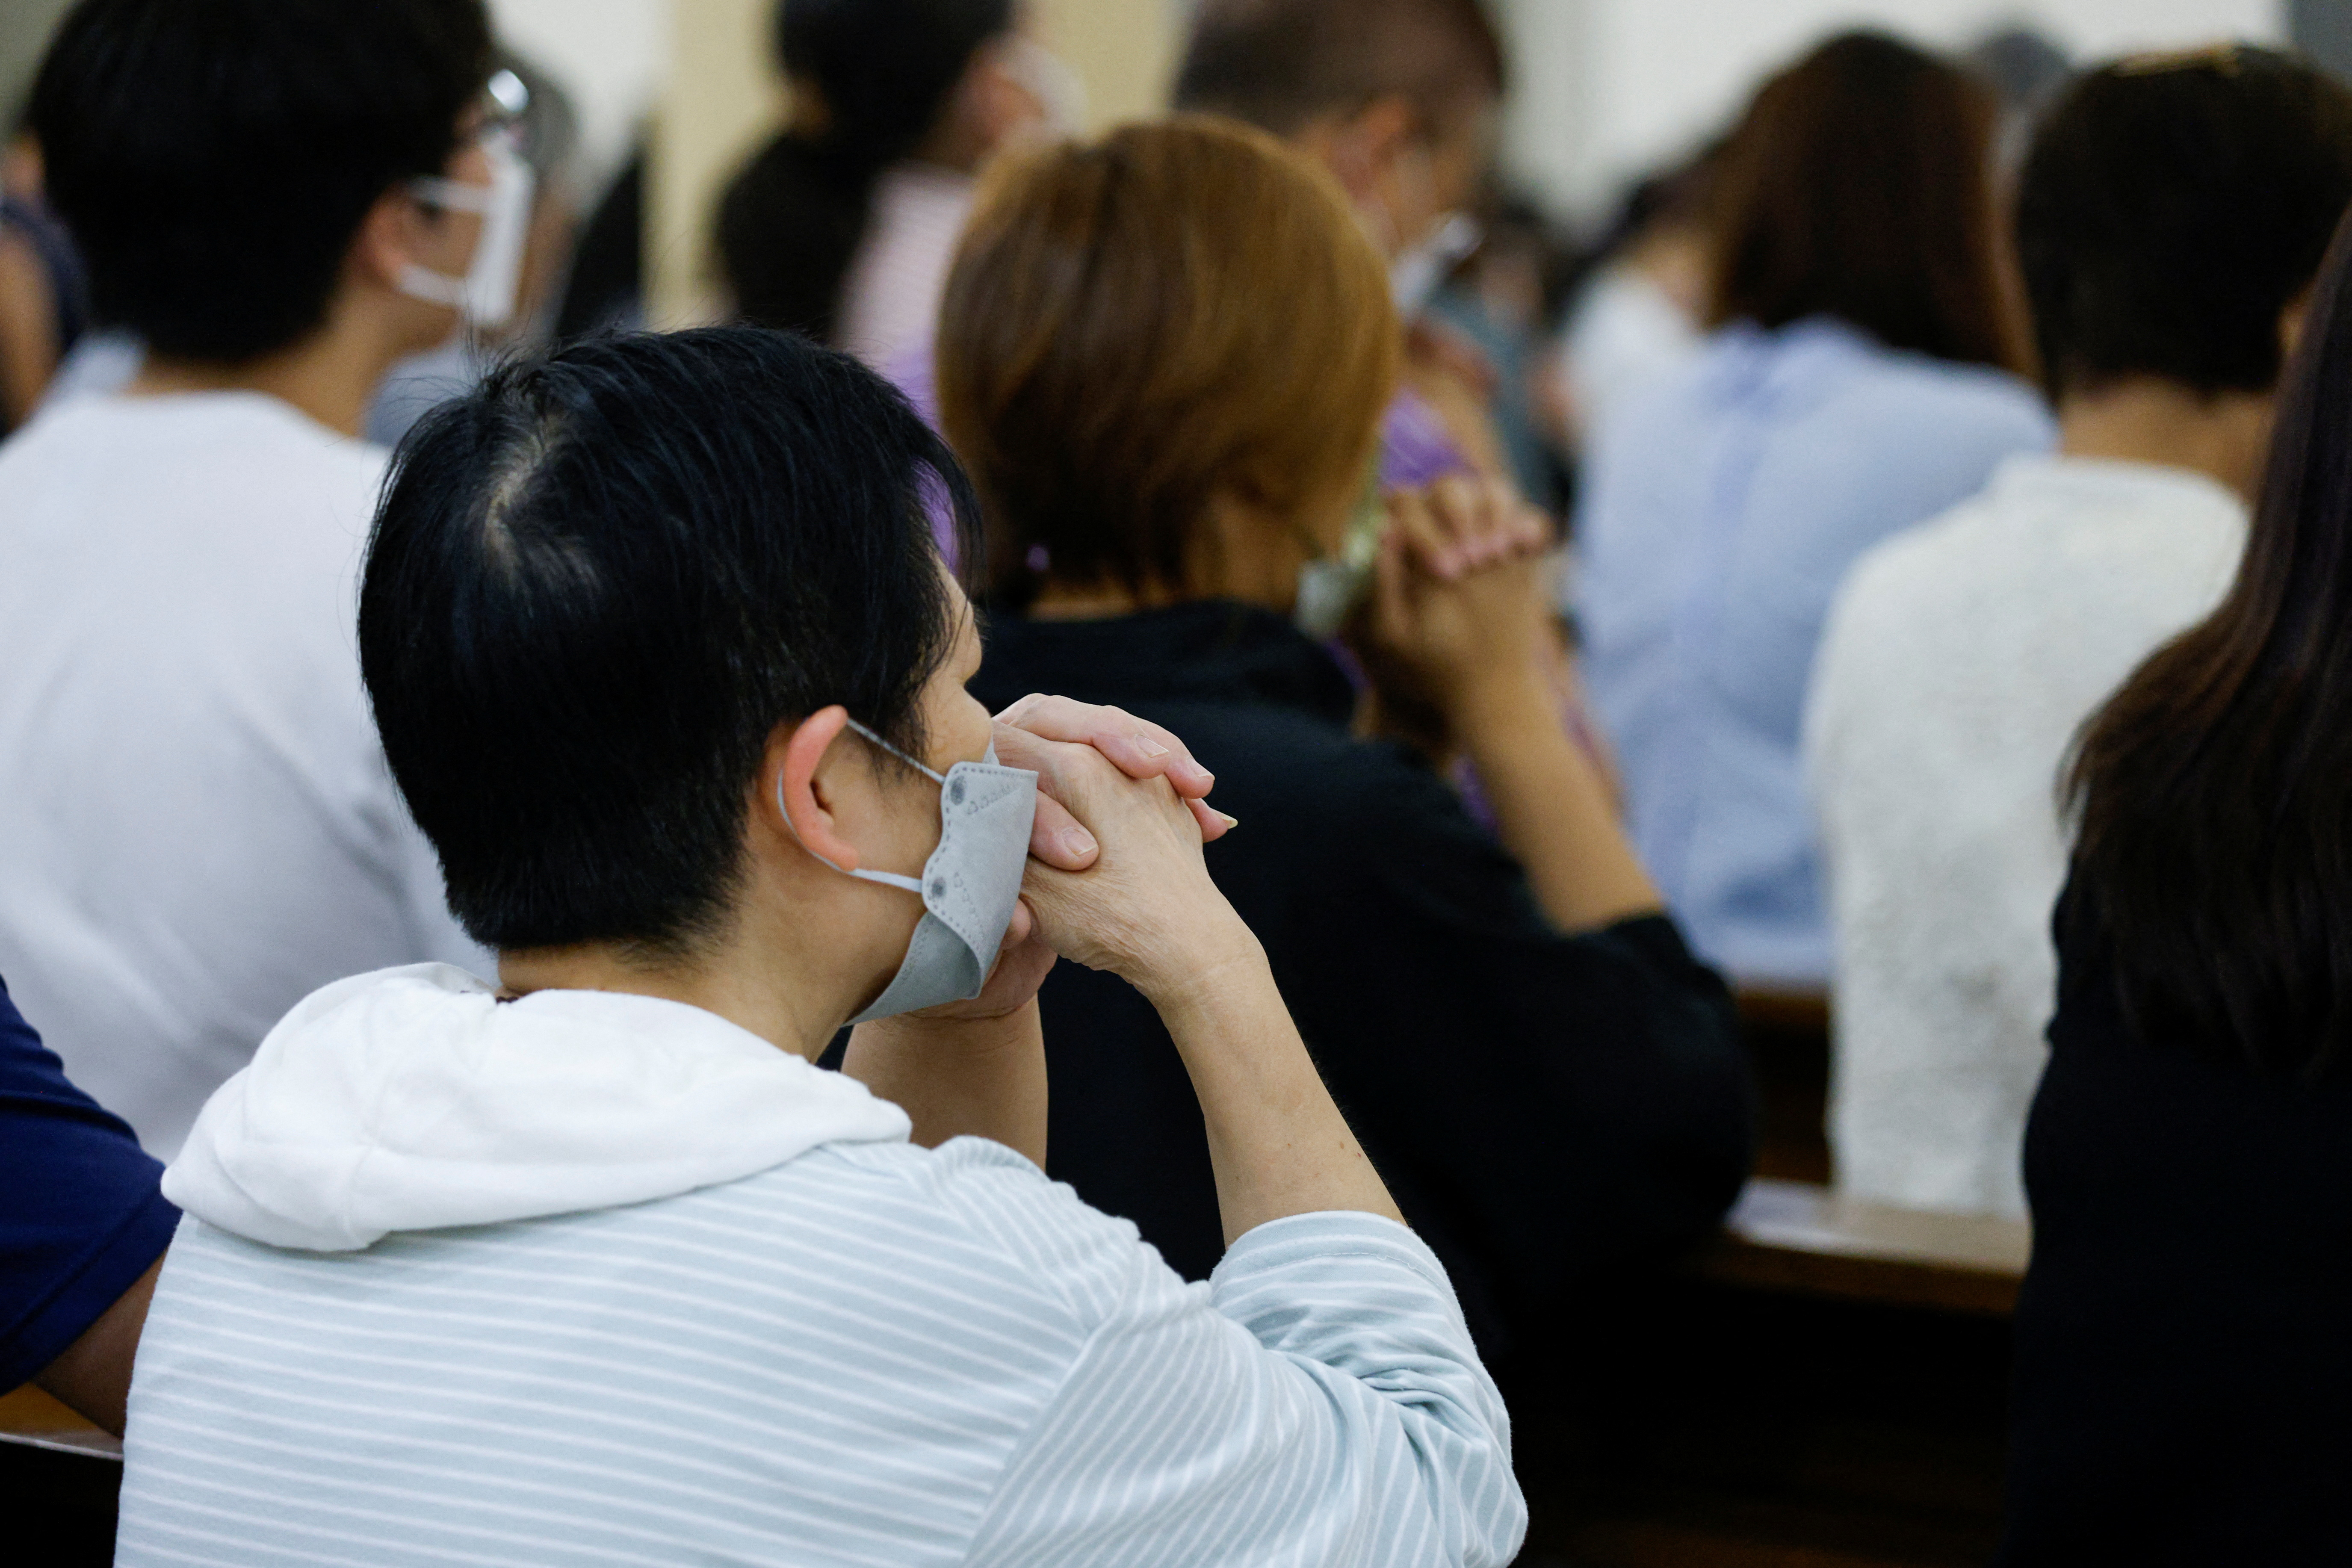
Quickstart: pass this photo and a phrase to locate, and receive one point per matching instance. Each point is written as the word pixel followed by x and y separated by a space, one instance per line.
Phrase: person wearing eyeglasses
pixel 280 198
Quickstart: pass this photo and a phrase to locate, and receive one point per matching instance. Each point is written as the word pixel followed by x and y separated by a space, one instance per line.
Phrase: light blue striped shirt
pixel 871 1354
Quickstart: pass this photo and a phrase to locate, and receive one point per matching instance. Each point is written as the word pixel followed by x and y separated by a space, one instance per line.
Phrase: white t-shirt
pixel 196 826
pixel 1959 660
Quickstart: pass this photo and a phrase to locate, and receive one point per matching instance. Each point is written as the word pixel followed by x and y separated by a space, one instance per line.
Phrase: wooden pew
pixel 1824 1384
pixel 1801 1239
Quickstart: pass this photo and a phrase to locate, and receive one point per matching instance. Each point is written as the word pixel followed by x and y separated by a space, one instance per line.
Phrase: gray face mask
pixel 968 886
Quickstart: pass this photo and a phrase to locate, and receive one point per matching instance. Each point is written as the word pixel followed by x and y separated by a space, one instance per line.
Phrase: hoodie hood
pixel 412 1098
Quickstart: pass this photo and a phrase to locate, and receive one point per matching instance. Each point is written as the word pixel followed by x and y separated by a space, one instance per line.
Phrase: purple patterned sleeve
pixel 1414 448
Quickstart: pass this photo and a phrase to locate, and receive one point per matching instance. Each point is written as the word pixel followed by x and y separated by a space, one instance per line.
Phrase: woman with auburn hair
pixel 1163 357
pixel 2183 1370
pixel 1860 377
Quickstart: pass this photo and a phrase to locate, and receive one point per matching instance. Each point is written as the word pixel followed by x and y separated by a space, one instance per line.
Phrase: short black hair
pixel 2172 208
pixel 597 584
pixel 1282 64
pixel 215 158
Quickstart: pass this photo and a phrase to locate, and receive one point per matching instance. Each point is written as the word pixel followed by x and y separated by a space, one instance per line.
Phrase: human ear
pixel 790 787
pixel 391 236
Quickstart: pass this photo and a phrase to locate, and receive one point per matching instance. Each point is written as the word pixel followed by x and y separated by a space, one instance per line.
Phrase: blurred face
pixel 446 244
pixel 1015 89
pixel 1408 169
pixel 469 225
pixel 440 240
pixel 1440 171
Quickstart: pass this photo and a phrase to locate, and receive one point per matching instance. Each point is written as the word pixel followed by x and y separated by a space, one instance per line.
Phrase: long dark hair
pixel 790 222
pixel 1858 185
pixel 2215 790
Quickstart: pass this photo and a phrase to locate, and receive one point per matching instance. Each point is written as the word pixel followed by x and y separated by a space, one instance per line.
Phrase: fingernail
pixel 1151 747
pixel 1078 842
pixel 1199 774
pixel 1230 821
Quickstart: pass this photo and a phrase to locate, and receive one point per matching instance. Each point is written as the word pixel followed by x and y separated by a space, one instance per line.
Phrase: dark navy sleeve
pixel 81 1210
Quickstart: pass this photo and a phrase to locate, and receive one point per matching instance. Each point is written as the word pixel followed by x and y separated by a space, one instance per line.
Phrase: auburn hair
pixel 1136 326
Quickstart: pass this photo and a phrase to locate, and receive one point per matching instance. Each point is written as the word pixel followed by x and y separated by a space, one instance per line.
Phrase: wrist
pixel 1501 702
pixel 934 1034
pixel 1203 971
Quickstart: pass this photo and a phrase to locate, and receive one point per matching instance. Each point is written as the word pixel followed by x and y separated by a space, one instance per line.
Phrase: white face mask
pixel 1420 266
pixel 1331 586
pixel 1060 93
pixel 485 296
pixel 969 886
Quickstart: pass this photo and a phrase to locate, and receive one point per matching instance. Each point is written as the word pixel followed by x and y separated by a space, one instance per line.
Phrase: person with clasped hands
pixel 595 1264
pixel 1163 357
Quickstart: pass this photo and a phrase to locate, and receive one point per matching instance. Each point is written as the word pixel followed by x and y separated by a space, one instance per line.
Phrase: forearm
pixel 979 1078
pixel 1277 1144
pixel 1551 807
pixel 93 1376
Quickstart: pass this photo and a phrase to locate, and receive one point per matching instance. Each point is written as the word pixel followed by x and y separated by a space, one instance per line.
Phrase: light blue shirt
pixel 872 1356
pixel 1719 511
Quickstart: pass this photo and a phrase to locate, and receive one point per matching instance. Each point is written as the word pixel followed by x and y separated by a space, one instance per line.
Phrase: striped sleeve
pixel 1317 1402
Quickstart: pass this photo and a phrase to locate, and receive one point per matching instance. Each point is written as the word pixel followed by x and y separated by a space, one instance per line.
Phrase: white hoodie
pixel 414 1099
pixel 595 1279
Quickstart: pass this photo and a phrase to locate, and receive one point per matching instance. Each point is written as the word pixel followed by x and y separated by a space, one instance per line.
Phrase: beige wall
pixel 25 28
pixel 722 100
pixel 1608 90
pixel 1124 51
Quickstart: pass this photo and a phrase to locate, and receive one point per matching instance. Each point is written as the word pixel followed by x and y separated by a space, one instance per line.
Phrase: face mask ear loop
pixel 885 745
pixel 887 878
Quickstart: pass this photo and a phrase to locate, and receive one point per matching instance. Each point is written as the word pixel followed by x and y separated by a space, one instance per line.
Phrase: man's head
pixel 599 586
pixel 226 165
pixel 2173 210
pixel 1396 97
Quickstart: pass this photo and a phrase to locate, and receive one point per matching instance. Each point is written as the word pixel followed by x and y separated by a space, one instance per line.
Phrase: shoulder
pixel 316 471
pixel 1667 404
pixel 982 1200
pixel 1961 402
pixel 1917 573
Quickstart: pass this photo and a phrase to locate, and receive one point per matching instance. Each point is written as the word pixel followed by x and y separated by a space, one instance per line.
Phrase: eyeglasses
pixel 505 100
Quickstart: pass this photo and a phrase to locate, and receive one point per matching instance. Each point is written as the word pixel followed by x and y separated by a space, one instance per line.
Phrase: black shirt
pixel 1542 1107
pixel 2184 1338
